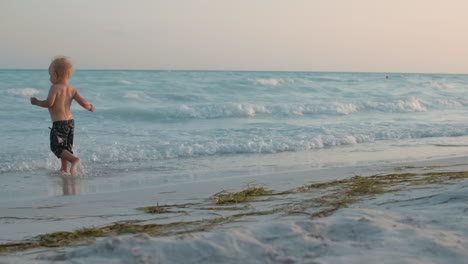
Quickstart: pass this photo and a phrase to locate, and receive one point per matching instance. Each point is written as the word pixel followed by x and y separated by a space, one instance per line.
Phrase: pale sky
pixel 423 36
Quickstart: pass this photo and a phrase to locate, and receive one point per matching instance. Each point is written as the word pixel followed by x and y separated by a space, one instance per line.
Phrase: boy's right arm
pixel 49 102
pixel 83 102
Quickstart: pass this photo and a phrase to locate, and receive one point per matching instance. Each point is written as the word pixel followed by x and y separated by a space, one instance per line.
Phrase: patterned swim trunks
pixel 61 136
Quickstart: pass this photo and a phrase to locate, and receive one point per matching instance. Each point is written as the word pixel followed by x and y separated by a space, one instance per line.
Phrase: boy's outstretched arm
pixel 49 102
pixel 83 102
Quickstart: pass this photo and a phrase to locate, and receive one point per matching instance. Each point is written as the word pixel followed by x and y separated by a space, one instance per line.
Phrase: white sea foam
pixel 215 111
pixel 125 82
pixel 449 103
pixel 271 82
pixel 206 111
pixel 412 104
pixel 195 147
pixel 24 92
pixel 236 110
pixel 138 96
pixel 131 95
pixel 50 163
pixel 345 109
pixel 439 84
pixel 250 110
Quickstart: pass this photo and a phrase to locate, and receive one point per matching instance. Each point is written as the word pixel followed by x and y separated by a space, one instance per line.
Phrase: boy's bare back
pixel 60 99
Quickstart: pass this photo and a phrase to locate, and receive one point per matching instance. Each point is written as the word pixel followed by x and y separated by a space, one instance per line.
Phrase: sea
pixel 155 128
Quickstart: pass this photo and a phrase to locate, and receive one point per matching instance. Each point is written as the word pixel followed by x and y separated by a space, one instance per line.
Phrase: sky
pixel 422 36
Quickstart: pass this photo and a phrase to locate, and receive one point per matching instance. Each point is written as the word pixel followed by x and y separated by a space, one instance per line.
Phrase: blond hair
pixel 61 67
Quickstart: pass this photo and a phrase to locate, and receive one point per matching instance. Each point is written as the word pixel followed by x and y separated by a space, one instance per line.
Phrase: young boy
pixel 59 102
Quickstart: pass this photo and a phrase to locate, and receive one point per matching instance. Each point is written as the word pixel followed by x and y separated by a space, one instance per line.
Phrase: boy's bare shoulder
pixel 54 89
pixel 64 87
pixel 57 86
pixel 73 90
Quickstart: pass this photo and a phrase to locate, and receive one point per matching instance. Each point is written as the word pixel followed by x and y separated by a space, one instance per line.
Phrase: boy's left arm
pixel 49 102
pixel 83 102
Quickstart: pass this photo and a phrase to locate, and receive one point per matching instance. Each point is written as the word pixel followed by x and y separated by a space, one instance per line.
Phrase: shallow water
pixel 153 128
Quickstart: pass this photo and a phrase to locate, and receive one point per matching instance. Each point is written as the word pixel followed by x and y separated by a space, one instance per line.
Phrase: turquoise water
pixel 165 127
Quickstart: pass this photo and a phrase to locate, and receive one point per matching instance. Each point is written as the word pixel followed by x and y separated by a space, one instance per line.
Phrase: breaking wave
pixel 23 92
pixel 247 110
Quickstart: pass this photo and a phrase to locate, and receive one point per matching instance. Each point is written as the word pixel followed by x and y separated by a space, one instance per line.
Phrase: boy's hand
pixel 34 100
pixel 91 107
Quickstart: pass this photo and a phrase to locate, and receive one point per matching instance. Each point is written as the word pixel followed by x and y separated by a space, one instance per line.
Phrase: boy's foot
pixel 74 166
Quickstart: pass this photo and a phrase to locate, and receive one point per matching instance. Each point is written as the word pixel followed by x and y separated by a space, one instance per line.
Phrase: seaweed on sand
pixel 329 197
pixel 247 195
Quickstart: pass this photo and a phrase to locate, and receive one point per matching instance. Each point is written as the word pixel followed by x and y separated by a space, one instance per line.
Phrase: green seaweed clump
pixel 155 209
pixel 249 194
pixel 365 186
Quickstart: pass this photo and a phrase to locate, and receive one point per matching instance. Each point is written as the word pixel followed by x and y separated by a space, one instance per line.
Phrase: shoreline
pixel 25 220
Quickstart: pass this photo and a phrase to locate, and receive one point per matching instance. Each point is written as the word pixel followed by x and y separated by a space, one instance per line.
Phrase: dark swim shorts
pixel 61 136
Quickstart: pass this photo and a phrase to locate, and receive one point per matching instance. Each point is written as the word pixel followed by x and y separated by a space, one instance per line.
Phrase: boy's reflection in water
pixel 71 185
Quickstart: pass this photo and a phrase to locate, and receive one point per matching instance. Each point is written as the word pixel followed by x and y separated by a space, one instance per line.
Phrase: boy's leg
pixel 75 161
pixel 64 165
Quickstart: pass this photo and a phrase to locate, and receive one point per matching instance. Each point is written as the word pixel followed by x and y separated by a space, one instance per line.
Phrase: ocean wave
pixel 450 102
pixel 137 96
pixel 263 141
pixel 26 92
pixel 439 84
pixel 196 146
pixel 412 104
pixel 191 144
pixel 271 82
pixel 125 82
pixel 227 110
pixel 280 81
pixel 18 165
pixel 247 110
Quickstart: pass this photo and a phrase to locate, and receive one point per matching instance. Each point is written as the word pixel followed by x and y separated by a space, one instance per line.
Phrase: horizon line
pixel 188 70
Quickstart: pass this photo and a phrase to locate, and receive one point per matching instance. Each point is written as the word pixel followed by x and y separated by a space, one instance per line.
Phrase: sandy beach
pixel 276 132
pixel 410 213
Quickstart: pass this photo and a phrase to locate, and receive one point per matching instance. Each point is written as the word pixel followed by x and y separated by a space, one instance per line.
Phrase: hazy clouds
pixel 308 35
